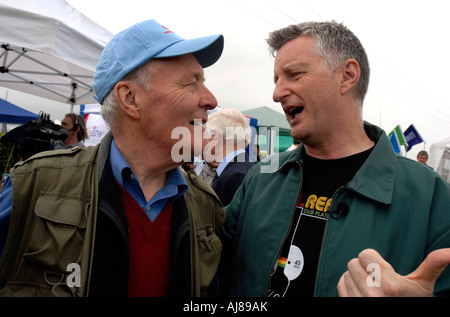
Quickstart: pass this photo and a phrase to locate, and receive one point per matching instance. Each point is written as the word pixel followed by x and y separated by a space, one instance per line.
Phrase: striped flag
pixel 395 144
pixel 397 139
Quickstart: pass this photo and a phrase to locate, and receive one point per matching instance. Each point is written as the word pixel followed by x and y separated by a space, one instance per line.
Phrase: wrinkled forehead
pixel 184 64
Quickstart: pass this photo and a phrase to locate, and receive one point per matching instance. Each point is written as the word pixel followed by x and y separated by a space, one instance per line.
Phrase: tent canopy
pixel 439 158
pixel 10 113
pixel 270 141
pixel 270 118
pixel 49 49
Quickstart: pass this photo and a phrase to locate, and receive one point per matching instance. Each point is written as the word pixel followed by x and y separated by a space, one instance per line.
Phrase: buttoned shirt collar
pixel 175 185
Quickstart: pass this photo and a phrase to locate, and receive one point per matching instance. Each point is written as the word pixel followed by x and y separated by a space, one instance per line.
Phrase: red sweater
pixel 149 244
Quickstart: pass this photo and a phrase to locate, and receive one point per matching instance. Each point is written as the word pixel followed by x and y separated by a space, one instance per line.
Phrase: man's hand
pixel 358 281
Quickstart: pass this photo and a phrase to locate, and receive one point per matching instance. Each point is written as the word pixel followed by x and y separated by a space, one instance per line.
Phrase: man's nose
pixel 280 90
pixel 208 100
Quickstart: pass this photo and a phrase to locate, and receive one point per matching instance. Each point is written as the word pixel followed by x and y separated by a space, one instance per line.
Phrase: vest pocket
pixel 56 233
pixel 209 248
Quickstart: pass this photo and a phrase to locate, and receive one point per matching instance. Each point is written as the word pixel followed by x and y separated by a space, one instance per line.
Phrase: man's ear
pixel 125 92
pixel 350 75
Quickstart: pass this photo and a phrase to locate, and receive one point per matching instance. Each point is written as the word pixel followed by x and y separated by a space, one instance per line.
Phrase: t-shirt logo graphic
pixel 294 264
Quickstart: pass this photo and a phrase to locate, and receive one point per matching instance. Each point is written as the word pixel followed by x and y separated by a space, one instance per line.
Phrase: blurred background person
pixel 422 157
pixel 230 137
pixel 207 171
pixel 77 132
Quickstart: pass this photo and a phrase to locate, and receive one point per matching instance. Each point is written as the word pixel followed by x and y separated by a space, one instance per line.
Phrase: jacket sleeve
pixel 228 237
pixel 439 233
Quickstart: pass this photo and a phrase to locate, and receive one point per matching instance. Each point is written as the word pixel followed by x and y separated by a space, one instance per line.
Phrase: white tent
pixel 49 49
pixel 439 158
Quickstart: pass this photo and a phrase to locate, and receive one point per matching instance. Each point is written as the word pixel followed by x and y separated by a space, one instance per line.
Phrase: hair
pixel 335 43
pixel 140 76
pixel 425 153
pixel 78 120
pixel 231 124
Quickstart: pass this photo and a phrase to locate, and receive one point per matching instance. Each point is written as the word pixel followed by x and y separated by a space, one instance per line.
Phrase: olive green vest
pixel 54 212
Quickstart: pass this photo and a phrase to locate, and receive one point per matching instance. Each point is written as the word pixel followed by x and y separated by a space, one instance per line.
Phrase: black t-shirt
pixel 295 271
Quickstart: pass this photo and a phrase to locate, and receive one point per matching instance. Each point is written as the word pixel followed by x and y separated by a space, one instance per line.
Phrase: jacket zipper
pixel 323 241
pixel 289 229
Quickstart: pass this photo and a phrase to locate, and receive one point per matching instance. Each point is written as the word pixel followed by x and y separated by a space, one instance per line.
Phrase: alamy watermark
pixel 74 278
pixel 374 278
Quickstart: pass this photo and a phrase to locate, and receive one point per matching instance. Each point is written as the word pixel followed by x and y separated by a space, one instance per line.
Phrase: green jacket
pixel 66 209
pixel 396 206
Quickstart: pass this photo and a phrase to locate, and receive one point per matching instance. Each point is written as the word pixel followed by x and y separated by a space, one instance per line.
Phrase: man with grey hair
pixel 122 212
pixel 343 214
pixel 230 136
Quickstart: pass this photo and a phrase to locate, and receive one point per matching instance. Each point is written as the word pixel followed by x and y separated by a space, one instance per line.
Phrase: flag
pixel 395 143
pixel 412 136
pixel 400 136
pixel 397 139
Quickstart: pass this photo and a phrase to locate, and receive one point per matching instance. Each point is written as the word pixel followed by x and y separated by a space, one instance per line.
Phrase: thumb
pixel 430 269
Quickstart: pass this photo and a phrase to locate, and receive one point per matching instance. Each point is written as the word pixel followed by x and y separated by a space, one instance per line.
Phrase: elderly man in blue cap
pixel 121 218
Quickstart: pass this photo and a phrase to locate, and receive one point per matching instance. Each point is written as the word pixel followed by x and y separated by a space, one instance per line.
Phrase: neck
pixel 343 143
pixel 150 165
pixel 72 140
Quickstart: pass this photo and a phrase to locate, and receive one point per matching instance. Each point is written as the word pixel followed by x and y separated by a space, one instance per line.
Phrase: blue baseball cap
pixel 142 42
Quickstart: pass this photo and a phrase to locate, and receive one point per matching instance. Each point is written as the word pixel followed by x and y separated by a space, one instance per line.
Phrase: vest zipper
pixel 289 229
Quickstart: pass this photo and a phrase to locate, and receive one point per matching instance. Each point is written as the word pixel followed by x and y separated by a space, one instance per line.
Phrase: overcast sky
pixel 406 40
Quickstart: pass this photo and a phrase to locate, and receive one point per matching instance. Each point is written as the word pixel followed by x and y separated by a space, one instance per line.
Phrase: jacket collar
pixel 375 179
pixel 105 146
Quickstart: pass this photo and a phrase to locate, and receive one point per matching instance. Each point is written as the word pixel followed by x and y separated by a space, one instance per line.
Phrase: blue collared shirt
pixel 175 185
pixel 226 160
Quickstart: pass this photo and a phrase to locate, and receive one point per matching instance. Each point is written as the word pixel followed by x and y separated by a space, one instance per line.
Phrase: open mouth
pixel 198 122
pixel 294 112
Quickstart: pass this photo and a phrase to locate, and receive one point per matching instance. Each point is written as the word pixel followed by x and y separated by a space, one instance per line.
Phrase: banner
pixel 397 139
pixel 394 142
pixel 96 128
pixel 95 125
pixel 412 137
